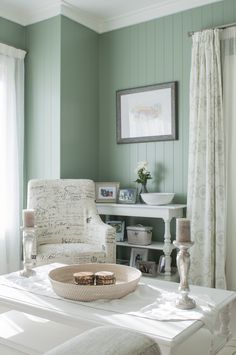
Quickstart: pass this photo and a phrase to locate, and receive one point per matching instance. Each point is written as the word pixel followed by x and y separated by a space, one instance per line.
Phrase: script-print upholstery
pixel 68 227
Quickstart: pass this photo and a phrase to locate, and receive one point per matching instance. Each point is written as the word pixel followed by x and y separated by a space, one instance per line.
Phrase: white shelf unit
pixel 153 245
pixel 166 213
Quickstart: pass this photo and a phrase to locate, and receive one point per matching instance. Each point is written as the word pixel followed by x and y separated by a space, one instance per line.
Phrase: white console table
pixel 166 213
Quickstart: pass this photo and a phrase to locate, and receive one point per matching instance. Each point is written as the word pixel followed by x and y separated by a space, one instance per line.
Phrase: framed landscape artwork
pixel 147 113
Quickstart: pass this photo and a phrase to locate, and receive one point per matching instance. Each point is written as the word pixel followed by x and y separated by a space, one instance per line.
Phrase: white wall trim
pixel 28 16
pixel 80 16
pixel 151 12
pixel 14 16
pixel 99 25
pixel 43 13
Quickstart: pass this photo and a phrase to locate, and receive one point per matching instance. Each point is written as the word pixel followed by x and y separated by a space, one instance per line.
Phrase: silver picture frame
pixel 147 113
pixel 127 196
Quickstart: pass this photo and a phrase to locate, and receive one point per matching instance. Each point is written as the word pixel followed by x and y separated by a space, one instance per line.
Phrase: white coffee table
pixel 170 335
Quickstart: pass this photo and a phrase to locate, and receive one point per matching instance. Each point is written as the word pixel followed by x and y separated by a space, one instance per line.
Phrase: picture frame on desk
pixel 138 254
pixel 147 268
pixel 106 191
pixel 127 196
pixel 119 228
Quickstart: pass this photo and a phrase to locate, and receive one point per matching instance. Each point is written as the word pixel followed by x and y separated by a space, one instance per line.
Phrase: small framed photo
pixel 127 196
pixel 138 254
pixel 120 228
pixel 147 268
pixel 106 191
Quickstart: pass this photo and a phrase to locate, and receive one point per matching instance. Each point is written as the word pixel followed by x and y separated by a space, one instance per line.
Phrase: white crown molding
pixel 150 13
pixel 12 15
pixel 80 16
pixel 25 16
pixel 44 10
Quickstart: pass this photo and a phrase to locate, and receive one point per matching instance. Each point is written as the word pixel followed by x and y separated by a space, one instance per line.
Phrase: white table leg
pixel 225 322
pixel 167 248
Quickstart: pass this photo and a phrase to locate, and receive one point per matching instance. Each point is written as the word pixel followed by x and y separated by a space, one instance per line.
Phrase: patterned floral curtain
pixel 206 176
pixel 228 54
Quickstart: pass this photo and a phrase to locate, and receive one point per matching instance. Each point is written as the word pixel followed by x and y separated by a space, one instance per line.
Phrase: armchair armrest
pixel 102 234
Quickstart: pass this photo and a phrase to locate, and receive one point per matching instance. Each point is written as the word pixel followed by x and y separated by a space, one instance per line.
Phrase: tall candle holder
pixel 183 264
pixel 28 242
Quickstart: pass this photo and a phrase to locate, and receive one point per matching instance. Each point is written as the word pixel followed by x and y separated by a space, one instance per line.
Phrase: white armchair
pixel 69 229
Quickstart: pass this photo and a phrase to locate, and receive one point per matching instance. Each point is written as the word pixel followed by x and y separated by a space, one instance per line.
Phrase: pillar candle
pixel 183 234
pixel 28 218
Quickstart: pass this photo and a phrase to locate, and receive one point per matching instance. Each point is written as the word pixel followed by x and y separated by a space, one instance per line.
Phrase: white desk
pixel 166 213
pixel 169 334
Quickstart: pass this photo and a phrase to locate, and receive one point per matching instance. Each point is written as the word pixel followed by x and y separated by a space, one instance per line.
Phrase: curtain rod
pixel 191 33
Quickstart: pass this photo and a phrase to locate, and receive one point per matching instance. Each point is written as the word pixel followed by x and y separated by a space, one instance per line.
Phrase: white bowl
pixel 157 198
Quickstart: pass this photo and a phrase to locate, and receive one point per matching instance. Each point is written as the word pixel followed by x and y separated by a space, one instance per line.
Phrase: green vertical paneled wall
pixel 61 100
pixel 42 143
pixel 79 101
pixel 153 52
pixel 70 94
pixel 12 34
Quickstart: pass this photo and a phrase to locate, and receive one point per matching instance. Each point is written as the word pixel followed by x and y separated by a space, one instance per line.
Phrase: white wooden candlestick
pixel 183 264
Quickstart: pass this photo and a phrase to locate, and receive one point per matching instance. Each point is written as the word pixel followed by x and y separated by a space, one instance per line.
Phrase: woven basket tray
pixel 63 284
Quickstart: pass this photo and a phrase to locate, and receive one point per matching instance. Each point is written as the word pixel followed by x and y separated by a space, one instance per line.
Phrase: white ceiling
pixel 99 15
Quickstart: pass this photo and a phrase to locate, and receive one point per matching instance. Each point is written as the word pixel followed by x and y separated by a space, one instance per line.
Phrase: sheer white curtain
pixel 228 46
pixel 206 176
pixel 11 155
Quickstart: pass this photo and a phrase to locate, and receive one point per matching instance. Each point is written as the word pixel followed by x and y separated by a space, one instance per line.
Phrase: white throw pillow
pixel 108 340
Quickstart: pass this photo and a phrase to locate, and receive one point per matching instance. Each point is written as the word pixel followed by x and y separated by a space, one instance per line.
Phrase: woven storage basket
pixel 139 235
pixel 62 281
